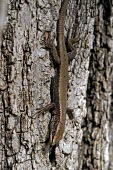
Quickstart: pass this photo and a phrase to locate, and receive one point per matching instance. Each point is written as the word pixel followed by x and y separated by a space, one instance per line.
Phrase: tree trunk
pixel 26 71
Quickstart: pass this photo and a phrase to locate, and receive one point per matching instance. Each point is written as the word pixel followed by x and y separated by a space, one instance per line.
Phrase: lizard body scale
pixel 57 124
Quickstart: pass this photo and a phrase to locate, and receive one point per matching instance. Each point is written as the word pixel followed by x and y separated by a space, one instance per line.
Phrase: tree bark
pixel 26 71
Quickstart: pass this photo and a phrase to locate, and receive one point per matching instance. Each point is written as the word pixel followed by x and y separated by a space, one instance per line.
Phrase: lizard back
pixel 63 75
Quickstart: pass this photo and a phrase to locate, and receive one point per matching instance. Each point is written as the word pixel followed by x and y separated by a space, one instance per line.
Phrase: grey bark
pixel 3 10
pixel 26 71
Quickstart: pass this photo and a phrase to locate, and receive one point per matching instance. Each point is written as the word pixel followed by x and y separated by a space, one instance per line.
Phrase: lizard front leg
pixel 41 110
pixel 50 45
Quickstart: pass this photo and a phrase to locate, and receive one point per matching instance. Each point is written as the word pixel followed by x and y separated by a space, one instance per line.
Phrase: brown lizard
pixel 59 88
pixel 57 123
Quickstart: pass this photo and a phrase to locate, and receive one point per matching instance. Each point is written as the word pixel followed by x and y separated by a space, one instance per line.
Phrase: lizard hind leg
pixel 41 110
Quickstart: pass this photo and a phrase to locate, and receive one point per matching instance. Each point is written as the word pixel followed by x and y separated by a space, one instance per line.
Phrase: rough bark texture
pixel 97 135
pixel 3 7
pixel 25 78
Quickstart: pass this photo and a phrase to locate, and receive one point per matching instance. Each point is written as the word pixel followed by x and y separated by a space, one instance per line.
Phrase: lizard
pixel 60 81
pixel 58 119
